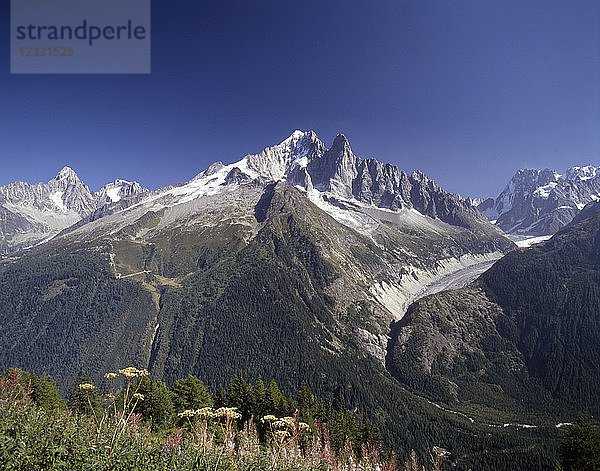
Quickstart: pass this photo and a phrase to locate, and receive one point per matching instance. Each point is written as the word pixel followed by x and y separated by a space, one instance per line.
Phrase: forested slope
pixel 524 338
pixel 211 303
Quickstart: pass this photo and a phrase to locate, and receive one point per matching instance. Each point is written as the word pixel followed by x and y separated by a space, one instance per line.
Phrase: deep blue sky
pixel 467 91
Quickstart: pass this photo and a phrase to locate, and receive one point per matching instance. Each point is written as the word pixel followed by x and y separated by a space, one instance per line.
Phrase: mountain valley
pixel 304 263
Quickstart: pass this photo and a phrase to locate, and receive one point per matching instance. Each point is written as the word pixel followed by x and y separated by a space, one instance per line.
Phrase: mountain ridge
pixel 540 202
pixel 335 174
pixel 36 212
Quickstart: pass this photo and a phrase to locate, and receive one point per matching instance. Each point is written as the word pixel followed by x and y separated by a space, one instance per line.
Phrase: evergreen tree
pixel 580 450
pixel 190 394
pixel 45 393
pixel 275 401
pixel 306 405
pixel 156 405
pixel 219 397
pixel 259 394
pixel 240 395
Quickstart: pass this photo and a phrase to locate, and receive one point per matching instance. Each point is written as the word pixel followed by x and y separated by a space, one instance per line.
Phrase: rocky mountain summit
pixel 116 191
pixel 540 202
pixel 30 213
pixel 304 161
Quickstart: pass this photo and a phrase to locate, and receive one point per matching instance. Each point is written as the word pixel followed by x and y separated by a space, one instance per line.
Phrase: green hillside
pixel 524 340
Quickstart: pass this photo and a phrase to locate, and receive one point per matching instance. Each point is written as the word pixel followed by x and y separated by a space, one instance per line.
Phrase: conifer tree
pixel 259 394
pixel 45 393
pixel 240 395
pixel 580 450
pixel 275 401
pixel 156 405
pixel 190 394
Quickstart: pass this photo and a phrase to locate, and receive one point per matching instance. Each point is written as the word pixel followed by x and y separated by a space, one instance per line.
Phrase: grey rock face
pixel 236 176
pixel 540 202
pixel 116 191
pixel 340 172
pixel 75 195
pixel 11 224
pixel 31 213
pixel 283 160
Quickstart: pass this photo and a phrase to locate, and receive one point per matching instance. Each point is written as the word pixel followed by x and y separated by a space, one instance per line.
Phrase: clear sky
pixel 466 91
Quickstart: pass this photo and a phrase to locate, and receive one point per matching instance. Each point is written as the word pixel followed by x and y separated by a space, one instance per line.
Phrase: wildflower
pixel 139 396
pixel 187 413
pixel 174 440
pixel 303 426
pixel 207 412
pixel 86 386
pixel 269 418
pixel 110 396
pixel 133 420
pixel 284 422
pixel 130 372
pixel 110 375
pixel 228 412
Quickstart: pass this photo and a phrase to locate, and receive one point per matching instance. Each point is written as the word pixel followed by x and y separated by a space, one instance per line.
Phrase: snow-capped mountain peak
pixel 291 141
pixel 66 177
pixel 582 173
pixel 539 202
pixel 279 161
pixel 117 190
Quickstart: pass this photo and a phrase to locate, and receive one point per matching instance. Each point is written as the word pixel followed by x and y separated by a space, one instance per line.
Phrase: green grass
pixel 114 437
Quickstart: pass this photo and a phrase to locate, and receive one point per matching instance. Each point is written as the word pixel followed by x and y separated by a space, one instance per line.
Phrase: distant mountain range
pixel 33 213
pixel 335 179
pixel 540 202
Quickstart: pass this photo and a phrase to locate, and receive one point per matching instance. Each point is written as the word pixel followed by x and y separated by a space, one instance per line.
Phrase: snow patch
pixel 301 161
pixel 544 191
pixel 114 194
pixel 293 139
pixel 523 241
pixel 358 221
pixel 582 173
pixel 206 185
pixel 56 198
